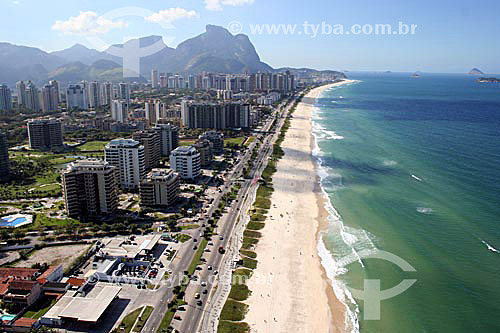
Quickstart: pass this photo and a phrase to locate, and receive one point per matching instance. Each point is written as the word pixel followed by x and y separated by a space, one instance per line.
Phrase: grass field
pixel 238 140
pixel 39 308
pixel 93 146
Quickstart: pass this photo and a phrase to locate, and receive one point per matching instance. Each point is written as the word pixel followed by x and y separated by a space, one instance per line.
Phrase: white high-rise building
pixel 149 109
pixel 76 97
pixel 124 91
pixel 107 93
pixel 49 98
pixel 154 78
pixel 22 99
pixel 186 161
pixel 128 157
pixel 5 98
pixel 32 97
pixel 95 99
pixel 56 90
pixel 90 189
pixel 119 111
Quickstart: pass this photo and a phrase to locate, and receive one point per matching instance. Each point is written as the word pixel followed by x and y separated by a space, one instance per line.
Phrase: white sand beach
pixel 290 290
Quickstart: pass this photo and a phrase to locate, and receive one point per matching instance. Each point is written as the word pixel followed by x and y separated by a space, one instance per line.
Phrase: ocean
pixel 411 167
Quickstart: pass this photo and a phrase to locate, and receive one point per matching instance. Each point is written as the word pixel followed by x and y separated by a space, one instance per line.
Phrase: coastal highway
pixel 192 317
pixel 196 314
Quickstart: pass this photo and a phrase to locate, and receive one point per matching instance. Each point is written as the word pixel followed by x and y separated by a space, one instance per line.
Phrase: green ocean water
pixel 412 167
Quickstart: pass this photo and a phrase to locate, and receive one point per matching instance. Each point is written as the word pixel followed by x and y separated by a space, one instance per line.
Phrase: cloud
pixel 170 15
pixel 217 4
pixel 87 24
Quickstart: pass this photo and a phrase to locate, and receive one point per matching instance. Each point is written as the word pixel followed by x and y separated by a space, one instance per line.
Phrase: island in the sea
pixel 475 71
pixel 488 80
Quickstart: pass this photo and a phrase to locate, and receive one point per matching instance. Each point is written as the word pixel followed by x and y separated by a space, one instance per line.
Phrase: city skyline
pixel 452 37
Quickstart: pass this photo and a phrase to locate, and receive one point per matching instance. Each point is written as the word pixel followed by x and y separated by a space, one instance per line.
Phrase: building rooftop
pixel 161 174
pixel 185 150
pixel 87 309
pixel 123 247
pixel 17 272
pixel 123 143
pixel 90 164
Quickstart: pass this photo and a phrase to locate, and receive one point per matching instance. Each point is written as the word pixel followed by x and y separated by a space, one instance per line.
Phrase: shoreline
pixel 298 296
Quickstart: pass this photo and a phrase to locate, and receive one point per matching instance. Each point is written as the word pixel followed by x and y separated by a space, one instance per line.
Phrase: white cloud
pixel 86 24
pixel 170 15
pixel 217 4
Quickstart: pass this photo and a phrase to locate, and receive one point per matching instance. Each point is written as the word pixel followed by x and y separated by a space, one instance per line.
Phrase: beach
pixel 290 289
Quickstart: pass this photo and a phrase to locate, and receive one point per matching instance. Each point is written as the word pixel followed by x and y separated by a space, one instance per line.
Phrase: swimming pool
pixel 13 221
pixel 6 317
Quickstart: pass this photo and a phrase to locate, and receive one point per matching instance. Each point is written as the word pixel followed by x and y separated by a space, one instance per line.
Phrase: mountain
pixel 215 50
pixel 15 57
pixel 101 70
pixel 218 50
pixel 81 53
pixel 475 71
pixel 303 72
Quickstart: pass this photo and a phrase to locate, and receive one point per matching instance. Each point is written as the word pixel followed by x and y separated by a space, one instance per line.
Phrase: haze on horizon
pixel 452 36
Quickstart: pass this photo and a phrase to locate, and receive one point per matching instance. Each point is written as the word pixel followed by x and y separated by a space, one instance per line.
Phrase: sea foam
pixel 350 244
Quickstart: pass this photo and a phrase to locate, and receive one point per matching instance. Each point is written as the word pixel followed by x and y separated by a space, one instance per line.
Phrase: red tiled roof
pixel 76 282
pixel 24 322
pixel 49 271
pixel 17 272
pixel 22 284
pixel 3 288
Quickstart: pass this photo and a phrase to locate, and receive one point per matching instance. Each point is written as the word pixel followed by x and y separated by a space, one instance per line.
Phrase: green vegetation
pixel 187 142
pixel 248 253
pixel 189 226
pixel 250 140
pixel 94 146
pixel 40 308
pixel 129 321
pixel 255 225
pixel 182 237
pixel 238 141
pixel 143 319
pixel 239 292
pixel 249 263
pixel 230 327
pixel 196 259
pixel 252 234
pixel 233 311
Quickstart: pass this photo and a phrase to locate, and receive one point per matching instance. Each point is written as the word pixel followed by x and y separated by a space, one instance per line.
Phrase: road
pixel 192 317
pixel 195 314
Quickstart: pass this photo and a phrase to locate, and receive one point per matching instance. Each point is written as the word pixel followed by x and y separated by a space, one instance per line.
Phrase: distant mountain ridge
pixel 475 71
pixel 215 50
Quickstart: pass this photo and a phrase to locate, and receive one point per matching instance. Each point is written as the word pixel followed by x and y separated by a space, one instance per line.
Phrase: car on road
pixel 209 268
pixel 203 284
pixel 221 238
pixel 199 303
pixel 197 296
pixel 205 291
pixel 216 272
pixel 177 318
pixel 195 248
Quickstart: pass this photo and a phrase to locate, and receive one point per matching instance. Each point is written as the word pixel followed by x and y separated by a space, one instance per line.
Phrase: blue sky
pixel 451 36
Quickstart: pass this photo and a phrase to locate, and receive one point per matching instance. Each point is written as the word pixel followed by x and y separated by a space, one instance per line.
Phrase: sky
pixel 449 36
